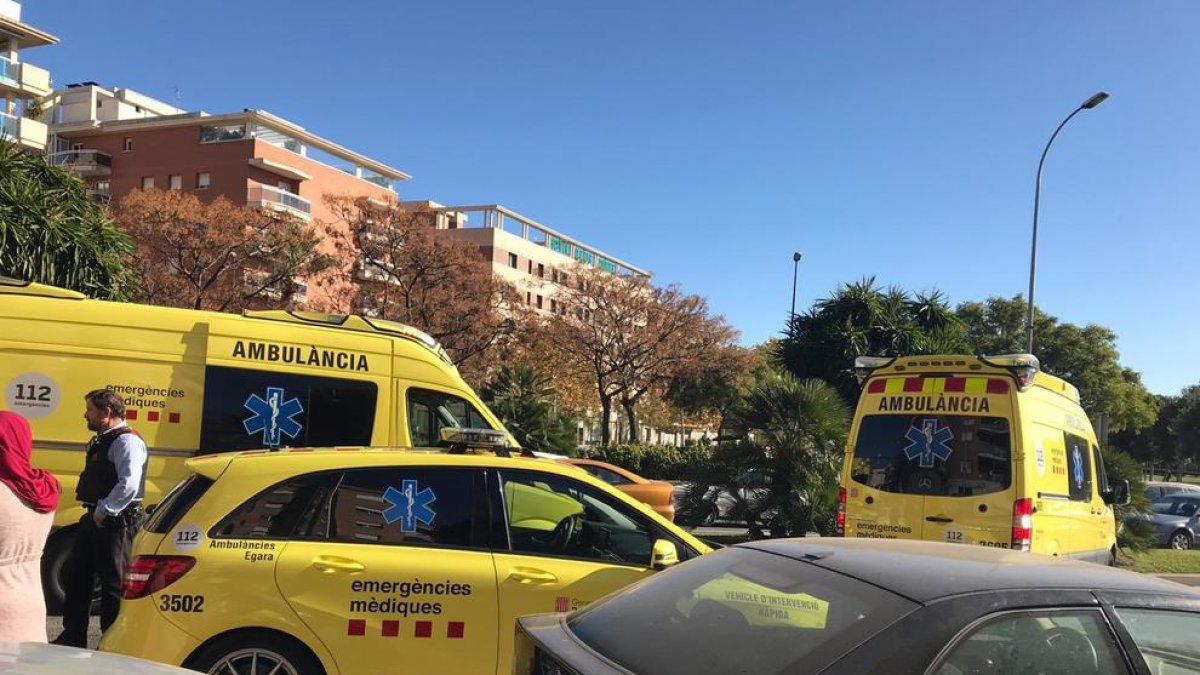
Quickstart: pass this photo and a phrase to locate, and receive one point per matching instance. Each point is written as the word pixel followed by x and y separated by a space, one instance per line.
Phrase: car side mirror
pixel 1117 493
pixel 665 555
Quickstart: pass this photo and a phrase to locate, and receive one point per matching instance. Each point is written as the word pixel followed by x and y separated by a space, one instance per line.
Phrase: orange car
pixel 658 494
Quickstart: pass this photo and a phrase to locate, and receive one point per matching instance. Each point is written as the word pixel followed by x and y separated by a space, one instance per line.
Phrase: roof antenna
pixel 178 97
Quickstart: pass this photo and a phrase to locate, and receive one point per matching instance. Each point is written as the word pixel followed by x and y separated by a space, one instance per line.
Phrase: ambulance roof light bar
pixel 1024 367
pixel 865 365
pixel 460 439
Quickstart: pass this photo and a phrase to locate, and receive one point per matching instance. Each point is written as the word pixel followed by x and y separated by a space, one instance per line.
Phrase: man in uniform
pixel 111 488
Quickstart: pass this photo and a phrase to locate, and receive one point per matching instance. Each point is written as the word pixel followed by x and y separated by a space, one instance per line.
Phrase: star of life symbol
pixel 273 416
pixel 928 442
pixel 1078 457
pixel 409 506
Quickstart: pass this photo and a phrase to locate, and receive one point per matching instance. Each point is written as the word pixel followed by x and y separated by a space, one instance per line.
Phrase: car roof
pixel 300 460
pixel 927 571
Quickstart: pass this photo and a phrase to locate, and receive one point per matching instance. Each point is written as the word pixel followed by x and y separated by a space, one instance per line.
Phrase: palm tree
pixel 53 232
pixel 783 473
pixel 862 319
pixel 522 397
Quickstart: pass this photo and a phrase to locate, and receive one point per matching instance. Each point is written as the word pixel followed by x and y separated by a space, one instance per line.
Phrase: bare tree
pixel 214 255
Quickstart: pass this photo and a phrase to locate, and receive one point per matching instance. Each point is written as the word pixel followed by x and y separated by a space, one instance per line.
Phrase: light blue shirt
pixel 128 453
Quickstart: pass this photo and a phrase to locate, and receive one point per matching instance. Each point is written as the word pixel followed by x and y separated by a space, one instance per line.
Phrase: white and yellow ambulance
pixel 204 382
pixel 985 451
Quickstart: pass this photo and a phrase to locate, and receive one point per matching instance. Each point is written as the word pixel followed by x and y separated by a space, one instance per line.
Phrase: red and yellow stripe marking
pixel 938 385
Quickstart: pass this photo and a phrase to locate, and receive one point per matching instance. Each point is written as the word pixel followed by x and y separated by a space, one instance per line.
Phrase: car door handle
pixel 939 519
pixel 328 563
pixel 531 575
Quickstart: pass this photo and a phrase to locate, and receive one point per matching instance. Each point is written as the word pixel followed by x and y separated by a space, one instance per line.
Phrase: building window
pixel 128 144
pixel 541 271
pixel 176 182
pixel 528 298
pixel 203 180
pixel 512 260
pixel 554 306
pixel 147 182
pixel 228 132
pixel 531 267
pixel 539 302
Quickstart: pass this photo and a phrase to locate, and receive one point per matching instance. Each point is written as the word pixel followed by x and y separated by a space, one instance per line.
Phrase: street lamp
pixel 795 272
pixel 1092 102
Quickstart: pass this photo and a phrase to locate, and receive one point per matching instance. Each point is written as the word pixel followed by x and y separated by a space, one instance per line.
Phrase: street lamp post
pixel 1092 102
pixel 795 273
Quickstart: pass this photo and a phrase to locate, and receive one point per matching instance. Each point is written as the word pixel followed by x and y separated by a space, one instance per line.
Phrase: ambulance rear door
pixel 933 460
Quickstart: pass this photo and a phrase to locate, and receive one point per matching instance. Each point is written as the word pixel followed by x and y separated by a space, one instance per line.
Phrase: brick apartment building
pixel 118 140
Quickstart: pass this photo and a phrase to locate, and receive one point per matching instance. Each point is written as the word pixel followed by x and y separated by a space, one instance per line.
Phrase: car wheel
pixel 54 572
pixel 712 516
pixel 253 652
pixel 1180 540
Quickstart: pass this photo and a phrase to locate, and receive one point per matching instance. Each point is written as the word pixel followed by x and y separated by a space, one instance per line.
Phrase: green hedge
pixel 661 462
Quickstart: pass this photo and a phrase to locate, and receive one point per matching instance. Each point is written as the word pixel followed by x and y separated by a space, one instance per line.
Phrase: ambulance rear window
pixel 936 455
pixel 178 502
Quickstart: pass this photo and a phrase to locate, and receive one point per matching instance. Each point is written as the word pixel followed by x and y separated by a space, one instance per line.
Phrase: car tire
pixel 710 518
pixel 276 652
pixel 1180 540
pixel 54 569
pixel 54 572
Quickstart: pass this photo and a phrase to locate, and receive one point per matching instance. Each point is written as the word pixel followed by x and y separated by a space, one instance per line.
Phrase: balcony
pixel 24 79
pixel 268 197
pixel 86 163
pixel 26 132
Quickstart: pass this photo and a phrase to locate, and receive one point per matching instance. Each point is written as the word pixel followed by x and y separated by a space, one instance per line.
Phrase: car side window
pixel 606 475
pixel 276 512
pixel 1101 474
pixel 552 515
pixel 431 411
pixel 423 506
pixel 1057 641
pixel 1079 468
pixel 1166 639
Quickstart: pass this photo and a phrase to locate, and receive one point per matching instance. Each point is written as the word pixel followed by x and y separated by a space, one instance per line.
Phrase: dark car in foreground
pixel 855 606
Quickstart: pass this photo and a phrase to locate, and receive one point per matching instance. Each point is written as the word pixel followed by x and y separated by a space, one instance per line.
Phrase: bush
pixel 1134 532
pixel 659 462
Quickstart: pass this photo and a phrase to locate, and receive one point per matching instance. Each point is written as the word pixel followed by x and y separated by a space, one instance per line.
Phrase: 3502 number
pixel 181 603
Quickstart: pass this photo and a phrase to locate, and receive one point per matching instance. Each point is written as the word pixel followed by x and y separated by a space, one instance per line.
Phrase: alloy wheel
pixel 253 661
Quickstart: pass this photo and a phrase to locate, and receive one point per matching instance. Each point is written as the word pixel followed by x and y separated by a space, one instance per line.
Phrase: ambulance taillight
pixel 840 519
pixel 1022 525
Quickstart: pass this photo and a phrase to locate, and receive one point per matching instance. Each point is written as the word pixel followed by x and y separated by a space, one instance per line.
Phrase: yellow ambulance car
pixel 357 561
pixel 984 451
pixel 203 382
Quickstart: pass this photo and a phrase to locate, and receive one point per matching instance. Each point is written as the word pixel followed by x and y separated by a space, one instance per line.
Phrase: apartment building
pixel 535 258
pixel 21 83
pixel 118 140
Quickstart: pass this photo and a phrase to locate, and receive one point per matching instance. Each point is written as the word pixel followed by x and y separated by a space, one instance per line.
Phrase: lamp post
pixel 1092 102
pixel 795 273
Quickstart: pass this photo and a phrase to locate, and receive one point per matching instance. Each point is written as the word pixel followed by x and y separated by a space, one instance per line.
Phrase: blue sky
pixel 706 141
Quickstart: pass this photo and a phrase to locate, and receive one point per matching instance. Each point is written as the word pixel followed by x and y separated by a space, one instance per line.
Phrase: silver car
pixel 1177 518
pixel 1157 491
pixel 30 658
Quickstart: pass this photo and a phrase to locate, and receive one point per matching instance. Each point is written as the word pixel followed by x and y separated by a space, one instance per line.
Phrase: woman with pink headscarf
pixel 28 497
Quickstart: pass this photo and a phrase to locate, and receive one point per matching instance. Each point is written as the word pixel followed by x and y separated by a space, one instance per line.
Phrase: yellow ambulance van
pixel 204 382
pixel 984 451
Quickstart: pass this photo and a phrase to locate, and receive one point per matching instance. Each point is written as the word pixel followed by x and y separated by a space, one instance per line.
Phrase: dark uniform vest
pixel 99 475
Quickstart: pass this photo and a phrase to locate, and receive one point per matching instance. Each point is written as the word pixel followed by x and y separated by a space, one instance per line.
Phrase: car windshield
pixel 737 610
pixel 1182 506
pixel 943 455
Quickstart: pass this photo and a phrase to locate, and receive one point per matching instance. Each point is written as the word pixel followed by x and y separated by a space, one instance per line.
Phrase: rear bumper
pixel 141 631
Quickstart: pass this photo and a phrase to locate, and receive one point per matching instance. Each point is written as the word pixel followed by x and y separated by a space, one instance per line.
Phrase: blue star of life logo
pixel 928 442
pixel 1078 457
pixel 273 416
pixel 409 506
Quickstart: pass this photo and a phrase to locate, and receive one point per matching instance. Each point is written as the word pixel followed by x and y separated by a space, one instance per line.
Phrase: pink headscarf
pixel 37 488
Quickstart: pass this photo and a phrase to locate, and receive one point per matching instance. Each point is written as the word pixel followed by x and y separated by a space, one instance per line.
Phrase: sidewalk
pixel 1185 579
